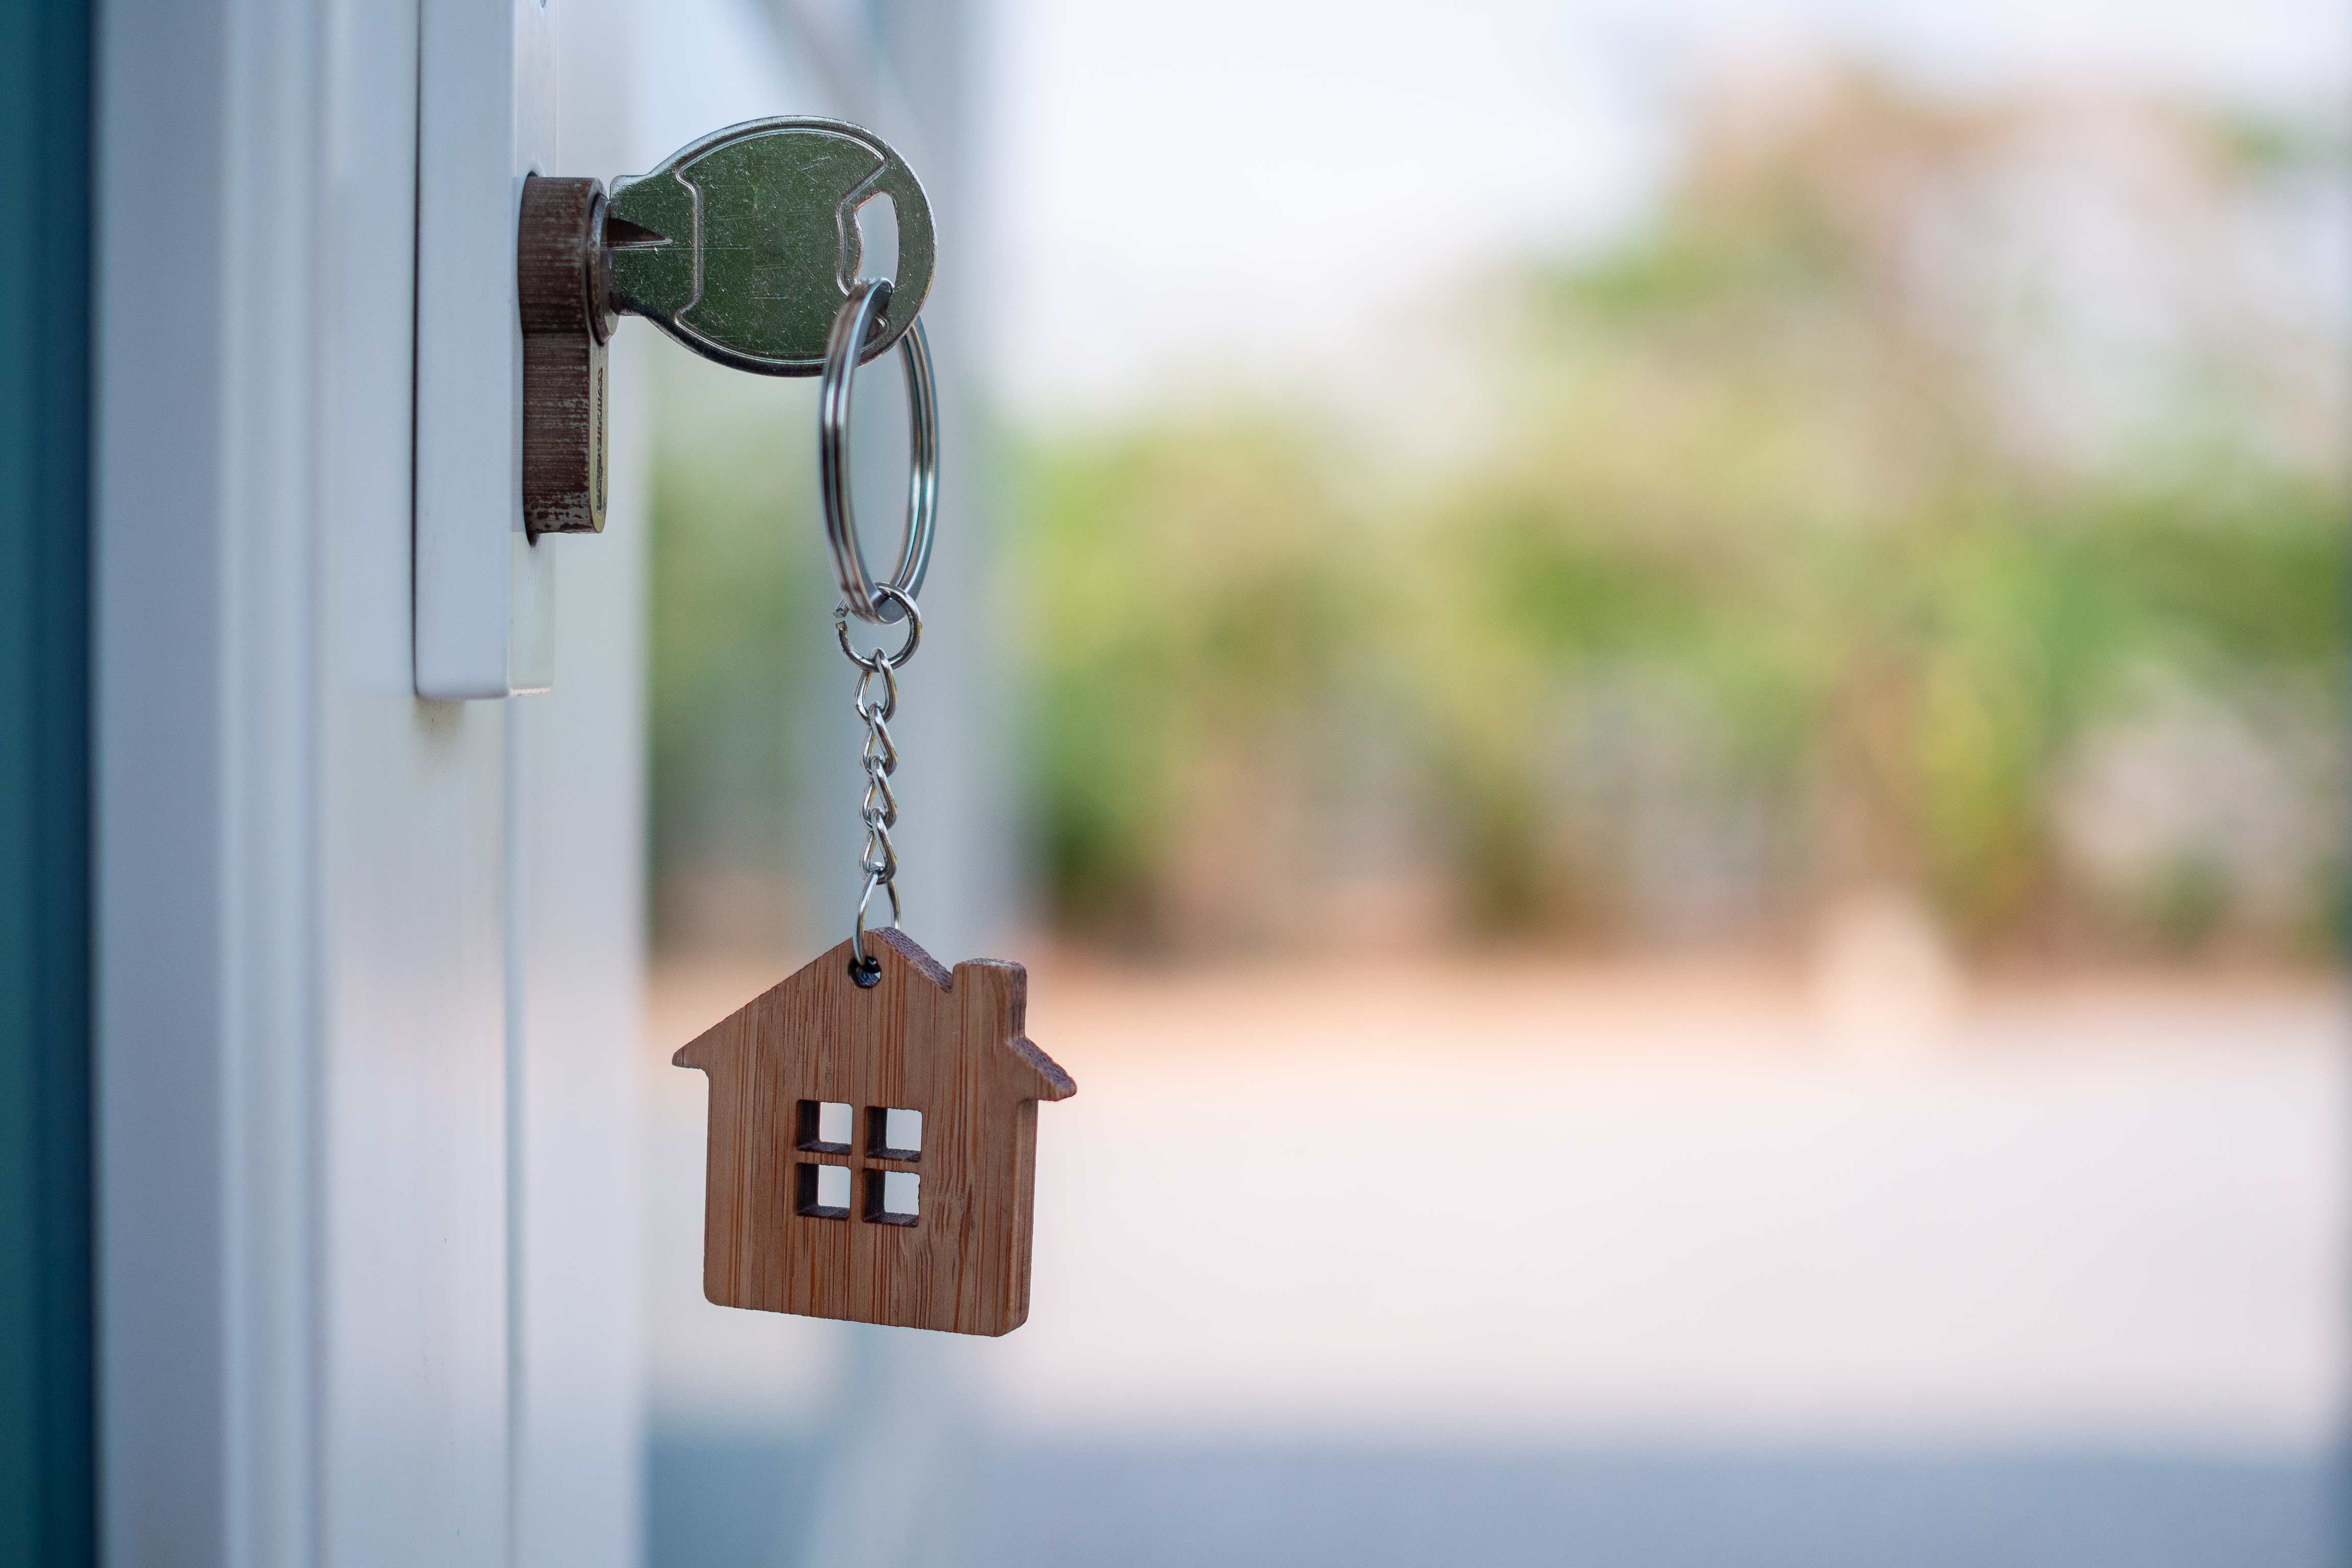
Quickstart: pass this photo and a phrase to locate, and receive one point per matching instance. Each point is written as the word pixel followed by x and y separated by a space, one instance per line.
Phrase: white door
pixel 368 964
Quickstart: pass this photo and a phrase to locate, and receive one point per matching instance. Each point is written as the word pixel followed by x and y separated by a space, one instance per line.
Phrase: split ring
pixel 851 324
pixel 897 605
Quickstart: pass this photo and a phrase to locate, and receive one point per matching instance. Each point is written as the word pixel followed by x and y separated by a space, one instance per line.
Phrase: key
pixel 742 244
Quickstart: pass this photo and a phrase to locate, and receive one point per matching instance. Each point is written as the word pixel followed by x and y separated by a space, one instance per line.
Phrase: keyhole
pixel 878 236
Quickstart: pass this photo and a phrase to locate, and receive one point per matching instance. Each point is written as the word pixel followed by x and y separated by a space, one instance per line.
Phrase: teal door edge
pixel 47 1358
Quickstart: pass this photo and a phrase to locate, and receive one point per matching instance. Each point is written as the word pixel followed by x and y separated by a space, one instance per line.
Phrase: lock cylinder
pixel 561 287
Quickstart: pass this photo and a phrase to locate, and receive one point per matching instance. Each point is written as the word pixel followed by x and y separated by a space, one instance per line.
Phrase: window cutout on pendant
pixel 893 1197
pixel 824 1127
pixel 894 1133
pixel 822 1192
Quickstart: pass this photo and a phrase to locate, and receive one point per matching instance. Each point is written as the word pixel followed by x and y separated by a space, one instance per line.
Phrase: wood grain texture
pixel 949 1047
pixel 563 360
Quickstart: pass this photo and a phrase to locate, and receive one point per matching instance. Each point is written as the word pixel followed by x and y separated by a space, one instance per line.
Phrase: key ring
pixel 869 600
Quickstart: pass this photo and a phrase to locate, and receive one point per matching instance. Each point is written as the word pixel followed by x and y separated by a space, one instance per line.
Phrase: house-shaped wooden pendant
pixel 873 1149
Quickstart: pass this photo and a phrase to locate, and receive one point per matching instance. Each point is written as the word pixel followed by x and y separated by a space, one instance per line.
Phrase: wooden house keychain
pixel 872 1132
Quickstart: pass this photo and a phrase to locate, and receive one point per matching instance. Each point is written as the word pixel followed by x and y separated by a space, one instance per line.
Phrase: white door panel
pixel 357 985
pixel 488 117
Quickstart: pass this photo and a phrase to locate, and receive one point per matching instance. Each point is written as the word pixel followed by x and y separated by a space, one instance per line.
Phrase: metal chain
pixel 878 860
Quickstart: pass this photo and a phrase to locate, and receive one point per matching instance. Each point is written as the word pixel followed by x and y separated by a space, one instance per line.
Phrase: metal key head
pixel 742 246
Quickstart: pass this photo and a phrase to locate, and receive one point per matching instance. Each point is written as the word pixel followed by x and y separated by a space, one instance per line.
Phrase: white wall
pixel 368 971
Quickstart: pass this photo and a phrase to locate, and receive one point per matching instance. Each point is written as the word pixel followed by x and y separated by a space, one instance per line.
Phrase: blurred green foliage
pixel 1777 573
pixel 737 612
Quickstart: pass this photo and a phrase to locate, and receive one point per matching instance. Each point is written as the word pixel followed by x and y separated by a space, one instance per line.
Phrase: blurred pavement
pixel 1398 1264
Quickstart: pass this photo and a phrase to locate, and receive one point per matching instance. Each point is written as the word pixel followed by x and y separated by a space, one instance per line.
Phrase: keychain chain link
pixel 878 758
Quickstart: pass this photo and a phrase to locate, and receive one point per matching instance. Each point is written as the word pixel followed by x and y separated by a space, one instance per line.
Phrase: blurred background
pixel 1658 692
